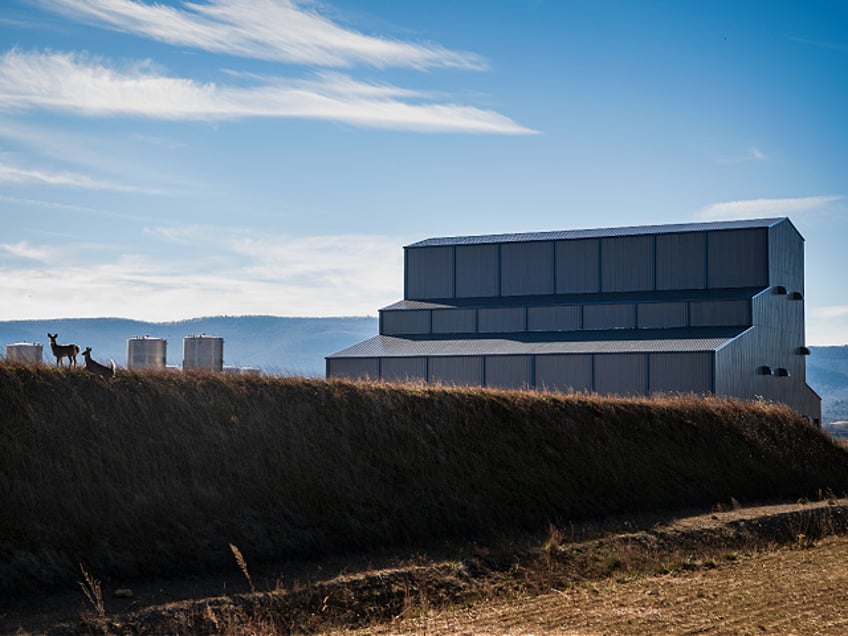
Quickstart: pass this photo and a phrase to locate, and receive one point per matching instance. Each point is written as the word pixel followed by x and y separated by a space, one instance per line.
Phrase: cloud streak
pixel 20 175
pixel 754 208
pixel 277 30
pixel 754 154
pixel 233 271
pixel 73 83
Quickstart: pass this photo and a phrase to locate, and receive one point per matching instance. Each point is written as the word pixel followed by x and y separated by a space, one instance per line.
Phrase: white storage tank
pixel 203 353
pixel 24 352
pixel 146 353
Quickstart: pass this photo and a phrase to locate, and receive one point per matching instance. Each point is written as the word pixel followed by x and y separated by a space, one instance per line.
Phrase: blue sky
pixel 170 160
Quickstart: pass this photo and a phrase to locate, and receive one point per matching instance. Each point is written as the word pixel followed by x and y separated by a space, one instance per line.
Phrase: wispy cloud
pixel 754 208
pixel 753 154
pixel 22 175
pixel 234 271
pixel 279 30
pixel 827 325
pixel 834 46
pixel 71 82
pixel 23 249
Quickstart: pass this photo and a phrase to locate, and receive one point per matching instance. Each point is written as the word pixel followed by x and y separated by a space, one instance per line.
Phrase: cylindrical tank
pixel 146 353
pixel 203 353
pixel 24 352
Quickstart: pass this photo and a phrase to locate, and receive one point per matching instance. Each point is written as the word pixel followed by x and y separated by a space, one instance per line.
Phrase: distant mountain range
pixel 297 346
pixel 284 346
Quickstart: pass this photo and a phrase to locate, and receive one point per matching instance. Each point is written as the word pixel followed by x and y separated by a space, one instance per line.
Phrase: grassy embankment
pixel 157 473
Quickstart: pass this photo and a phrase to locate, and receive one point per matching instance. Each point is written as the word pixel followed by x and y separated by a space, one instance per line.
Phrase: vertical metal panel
pixel 737 258
pixel 527 268
pixel 429 273
pixel 353 368
pixel 770 345
pixel 454 320
pixel 621 373
pixel 458 370
pixel 403 369
pixel 786 256
pixel 662 315
pixel 501 320
pixel 405 322
pixel 614 316
pixel 627 263
pixel 559 318
pixel 564 372
pixel 681 261
pixel 508 372
pixel 719 313
pixel 680 372
pixel 477 271
pixel 577 266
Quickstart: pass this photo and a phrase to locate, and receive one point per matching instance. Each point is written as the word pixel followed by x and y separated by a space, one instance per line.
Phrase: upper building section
pixel 692 256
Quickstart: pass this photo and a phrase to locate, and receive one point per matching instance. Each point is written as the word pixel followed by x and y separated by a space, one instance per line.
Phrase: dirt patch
pixel 375 589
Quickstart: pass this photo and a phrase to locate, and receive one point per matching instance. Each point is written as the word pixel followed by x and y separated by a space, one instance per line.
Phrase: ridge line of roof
pixel 630 230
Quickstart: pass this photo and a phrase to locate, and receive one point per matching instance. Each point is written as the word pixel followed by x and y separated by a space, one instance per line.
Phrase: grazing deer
pixel 68 351
pixel 95 367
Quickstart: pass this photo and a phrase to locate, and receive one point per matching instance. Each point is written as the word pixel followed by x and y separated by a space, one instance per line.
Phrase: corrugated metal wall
pixel 454 320
pixel 616 316
pixel 402 323
pixel 621 373
pixel 662 315
pixel 354 368
pixel 627 263
pixel 786 257
pixel 459 370
pixel 403 369
pixel 681 372
pixel 509 372
pixel 477 271
pixel 527 269
pixel 719 313
pixel 501 320
pixel 572 372
pixel 682 261
pixel 429 273
pixel 561 318
pixel 737 258
pixel 577 266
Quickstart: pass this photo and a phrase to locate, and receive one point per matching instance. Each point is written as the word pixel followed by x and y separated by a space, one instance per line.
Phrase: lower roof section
pixel 738 293
pixel 614 341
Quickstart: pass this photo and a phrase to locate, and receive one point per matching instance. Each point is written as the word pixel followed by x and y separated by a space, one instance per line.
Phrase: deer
pixel 68 351
pixel 92 366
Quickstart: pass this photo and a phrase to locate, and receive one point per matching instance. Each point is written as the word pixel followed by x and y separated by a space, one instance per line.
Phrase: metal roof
pixel 740 293
pixel 635 230
pixel 616 341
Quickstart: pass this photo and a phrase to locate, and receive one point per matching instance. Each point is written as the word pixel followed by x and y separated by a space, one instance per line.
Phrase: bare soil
pixel 775 569
pixel 787 591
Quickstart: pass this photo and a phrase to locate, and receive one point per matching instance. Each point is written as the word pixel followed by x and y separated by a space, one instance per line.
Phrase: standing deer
pixel 68 351
pixel 95 367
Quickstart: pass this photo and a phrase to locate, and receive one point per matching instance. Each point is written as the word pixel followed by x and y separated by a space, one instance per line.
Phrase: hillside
pixel 827 373
pixel 154 474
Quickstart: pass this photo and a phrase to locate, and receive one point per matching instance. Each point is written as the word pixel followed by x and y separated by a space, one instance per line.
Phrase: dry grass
pixel 780 592
pixel 152 471
pixel 582 579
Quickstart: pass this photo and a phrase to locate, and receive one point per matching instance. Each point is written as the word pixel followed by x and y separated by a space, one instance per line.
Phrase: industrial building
pixel 712 308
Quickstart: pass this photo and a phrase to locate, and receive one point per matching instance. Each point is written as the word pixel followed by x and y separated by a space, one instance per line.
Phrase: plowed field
pixel 788 591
